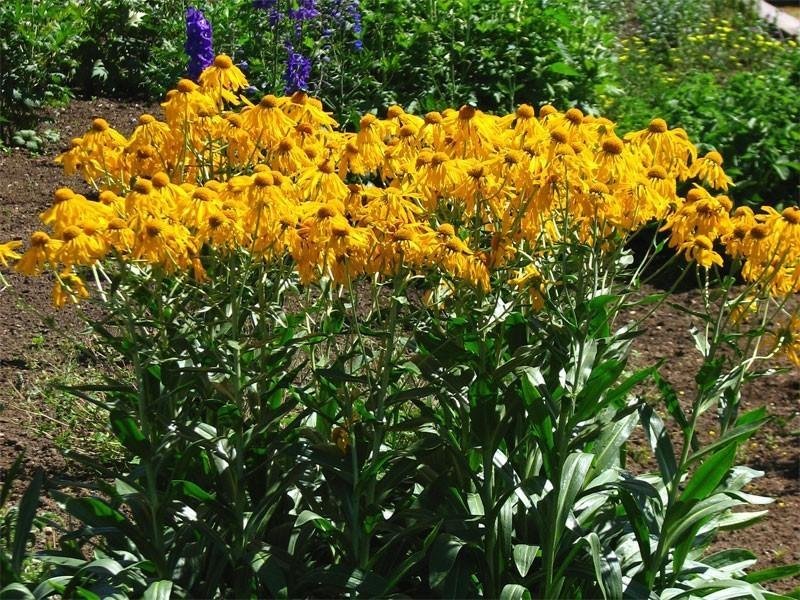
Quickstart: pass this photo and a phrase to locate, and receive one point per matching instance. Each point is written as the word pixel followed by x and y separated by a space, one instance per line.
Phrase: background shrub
pixel 726 80
pixel 38 43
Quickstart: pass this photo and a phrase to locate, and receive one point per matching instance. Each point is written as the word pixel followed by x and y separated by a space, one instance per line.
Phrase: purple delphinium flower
pixel 199 44
pixel 306 10
pixel 274 16
pixel 298 70
pixel 343 16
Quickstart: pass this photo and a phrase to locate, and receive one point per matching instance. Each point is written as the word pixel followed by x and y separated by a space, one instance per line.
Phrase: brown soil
pixel 34 343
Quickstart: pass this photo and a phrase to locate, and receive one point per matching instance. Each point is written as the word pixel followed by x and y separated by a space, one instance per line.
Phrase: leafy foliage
pixel 37 58
pixel 741 102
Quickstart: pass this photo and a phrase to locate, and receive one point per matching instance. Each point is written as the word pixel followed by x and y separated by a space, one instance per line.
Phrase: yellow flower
pixel 787 339
pixel 41 251
pixel 530 279
pixel 68 286
pixel 150 132
pixel 203 203
pixel 144 201
pixel 742 221
pixel 81 246
pixel 266 122
pixel 304 109
pixel 221 228
pixel 701 250
pixel 119 236
pixel 72 160
pixel 397 118
pixel 161 243
pixel 709 170
pixel 287 157
pixel 101 138
pixel 7 252
pixel 670 148
pixel 615 162
pixel 221 79
pixel 184 103
pixel 70 208
pixel 321 183
pixel 438 174
pixel 526 125
pixel 241 147
pixel 432 131
pixel 143 160
pixel 474 133
pixel 369 143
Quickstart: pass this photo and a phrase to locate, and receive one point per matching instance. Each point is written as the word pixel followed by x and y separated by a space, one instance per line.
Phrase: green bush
pixel 423 55
pixel 118 41
pixel 733 86
pixel 449 52
pixel 38 44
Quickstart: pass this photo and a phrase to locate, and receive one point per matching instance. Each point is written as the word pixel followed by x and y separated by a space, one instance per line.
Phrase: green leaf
pixel 16 591
pixel 635 516
pixel 107 565
pixel 94 512
pixel 613 436
pixel 158 590
pixel 573 476
pixel 270 573
pixel 563 68
pixel 10 476
pixel 193 490
pixel 740 520
pixel 660 443
pixel 773 573
pixel 591 395
pixel 82 592
pixel 684 520
pixel 733 436
pixel 671 401
pixel 709 474
pixel 410 394
pixel 607 569
pixel 97 514
pixel 337 375
pixel 700 341
pixel 620 393
pixel 514 591
pixel 127 431
pixel 27 512
pixel 737 558
pixel 444 553
pixel 524 555
pixel 709 374
pixel 412 560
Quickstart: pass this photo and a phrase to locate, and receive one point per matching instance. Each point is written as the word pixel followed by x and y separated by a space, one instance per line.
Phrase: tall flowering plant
pixel 390 361
pixel 199 43
pixel 312 34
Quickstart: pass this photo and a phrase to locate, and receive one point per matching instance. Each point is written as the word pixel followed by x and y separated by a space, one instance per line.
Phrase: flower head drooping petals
pixel 701 250
pixel 7 252
pixel 222 79
pixel 709 169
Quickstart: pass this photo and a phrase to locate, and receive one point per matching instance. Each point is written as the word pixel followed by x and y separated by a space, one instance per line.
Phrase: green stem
pixel 487 497
pixel 386 362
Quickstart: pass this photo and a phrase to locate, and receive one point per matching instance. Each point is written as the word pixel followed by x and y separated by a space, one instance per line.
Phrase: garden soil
pixel 35 342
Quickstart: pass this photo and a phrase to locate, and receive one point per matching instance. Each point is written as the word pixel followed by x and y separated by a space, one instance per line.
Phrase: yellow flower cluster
pixel 460 193
pixel 718 46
